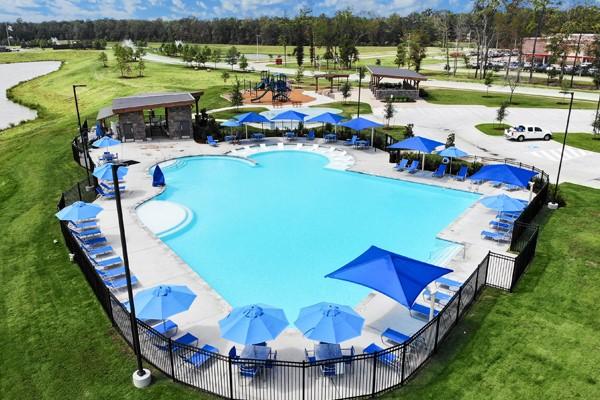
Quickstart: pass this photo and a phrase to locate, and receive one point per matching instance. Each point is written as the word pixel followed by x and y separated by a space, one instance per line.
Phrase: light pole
pixel 141 377
pixel 360 74
pixel 82 137
pixel 563 145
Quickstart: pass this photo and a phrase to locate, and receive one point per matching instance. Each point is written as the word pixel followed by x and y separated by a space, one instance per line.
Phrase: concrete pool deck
pixel 154 263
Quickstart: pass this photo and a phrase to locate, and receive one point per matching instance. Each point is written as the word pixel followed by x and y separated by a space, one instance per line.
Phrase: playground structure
pixel 275 84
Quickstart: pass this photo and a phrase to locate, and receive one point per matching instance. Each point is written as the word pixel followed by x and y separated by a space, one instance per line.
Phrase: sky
pixel 45 10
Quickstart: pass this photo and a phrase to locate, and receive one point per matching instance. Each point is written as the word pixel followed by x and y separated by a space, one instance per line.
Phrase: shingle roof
pixel 398 73
pixel 151 100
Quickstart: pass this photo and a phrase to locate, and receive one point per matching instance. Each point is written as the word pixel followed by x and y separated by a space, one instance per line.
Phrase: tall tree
pixel 400 59
pixel 417 52
pixel 231 57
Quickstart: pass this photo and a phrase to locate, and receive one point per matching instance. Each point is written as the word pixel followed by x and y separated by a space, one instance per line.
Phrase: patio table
pixel 330 137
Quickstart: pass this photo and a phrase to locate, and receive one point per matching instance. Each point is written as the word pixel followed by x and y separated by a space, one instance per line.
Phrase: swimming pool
pixel 269 232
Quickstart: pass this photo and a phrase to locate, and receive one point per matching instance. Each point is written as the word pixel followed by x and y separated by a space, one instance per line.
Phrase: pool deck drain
pixel 153 262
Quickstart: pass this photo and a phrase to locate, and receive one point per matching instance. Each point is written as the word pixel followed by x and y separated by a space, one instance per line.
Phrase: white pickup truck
pixel 522 132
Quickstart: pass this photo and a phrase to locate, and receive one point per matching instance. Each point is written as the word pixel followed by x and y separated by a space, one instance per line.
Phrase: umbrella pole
pixel 246 125
pixel 423 164
pixel 372 137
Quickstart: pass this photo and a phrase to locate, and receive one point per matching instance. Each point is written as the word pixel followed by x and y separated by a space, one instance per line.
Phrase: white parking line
pixel 554 155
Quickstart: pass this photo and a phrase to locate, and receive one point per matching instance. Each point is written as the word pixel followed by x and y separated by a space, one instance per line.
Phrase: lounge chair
pixel 512 188
pixel 311 359
pixel 388 359
pixel 186 340
pixel 440 171
pixel 290 135
pixel 421 310
pixel 86 233
pixel 497 236
pixel 401 166
pixel 440 297
pixel 83 226
pixel 106 263
pixel 351 142
pixel 496 184
pixel 394 336
pixel 93 241
pixel 109 187
pixel 504 217
pixel 211 141
pixel 462 173
pixel 119 284
pixel 104 194
pixel 202 356
pixel 163 327
pixel 111 273
pixel 310 135
pixel 501 226
pixel 414 166
pixel 448 284
pixel 97 251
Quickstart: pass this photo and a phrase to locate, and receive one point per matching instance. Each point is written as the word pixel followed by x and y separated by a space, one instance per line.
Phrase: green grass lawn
pixel 228 114
pixel 493 129
pixel 493 99
pixel 540 342
pixel 348 108
pixel 585 141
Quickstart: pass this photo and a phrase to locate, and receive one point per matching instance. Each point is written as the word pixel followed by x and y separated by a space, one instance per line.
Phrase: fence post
pixel 79 192
pixel 170 342
pixel 458 305
pixel 230 378
pixel 487 269
pixel 437 332
pixel 303 379
pixel 374 374
pixel 476 281
pixel 110 307
pixel 403 361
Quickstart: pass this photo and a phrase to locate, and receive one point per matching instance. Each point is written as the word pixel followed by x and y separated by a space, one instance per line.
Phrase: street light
pixel 81 135
pixel 141 377
pixel 572 94
pixel 360 73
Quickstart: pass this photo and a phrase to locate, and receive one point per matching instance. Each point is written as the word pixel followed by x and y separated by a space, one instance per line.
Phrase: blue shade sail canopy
pixel 398 277
pixel 251 117
pixel 161 302
pixel 99 130
pixel 289 115
pixel 158 178
pixel 505 173
pixel 104 172
pixel 253 324
pixel 329 322
pixel 360 123
pixel 417 143
pixel 503 202
pixel 453 152
pixel 327 118
pixel 105 141
pixel 78 211
pixel 231 123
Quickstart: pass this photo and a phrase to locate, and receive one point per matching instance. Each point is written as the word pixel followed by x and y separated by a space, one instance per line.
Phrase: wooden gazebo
pixel 330 76
pixel 406 85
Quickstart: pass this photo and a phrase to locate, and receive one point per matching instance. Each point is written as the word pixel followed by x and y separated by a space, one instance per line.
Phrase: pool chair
pixel 477 181
pixel 202 356
pixel 119 284
pixel 104 194
pixel 351 142
pixel 440 171
pixel 414 167
pixel 109 187
pixel 164 327
pixel 421 311
pixel 82 226
pixel 440 297
pixel 211 141
pixel 97 251
pixel 448 284
pixel 462 173
pixel 106 263
pixel 290 135
pixel 186 340
pixel 309 356
pixel 505 217
pixel 497 236
pixel 401 166
pixel 310 135
pixel 88 233
pixel 111 273
pixel 388 359
pixel 394 336
pixel 512 188
pixel 501 226
pixel 93 241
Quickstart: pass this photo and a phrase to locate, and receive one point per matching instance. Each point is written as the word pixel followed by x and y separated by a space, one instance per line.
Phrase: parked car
pixel 522 132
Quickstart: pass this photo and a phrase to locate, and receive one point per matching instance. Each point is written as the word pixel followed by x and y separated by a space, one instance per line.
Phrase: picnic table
pixel 258 136
pixel 330 137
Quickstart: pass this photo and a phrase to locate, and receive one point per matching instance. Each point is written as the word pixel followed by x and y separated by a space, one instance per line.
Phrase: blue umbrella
pixel 329 323
pixel 105 141
pixel 452 152
pixel 161 302
pixel 398 277
pixel 360 123
pixel 253 324
pixel 505 173
pixel 418 143
pixel 502 203
pixel 251 117
pixel 104 172
pixel 289 115
pixel 78 211
pixel 328 118
pixel 158 178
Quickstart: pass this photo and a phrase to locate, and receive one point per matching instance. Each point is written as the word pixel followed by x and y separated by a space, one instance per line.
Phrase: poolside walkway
pixel 155 263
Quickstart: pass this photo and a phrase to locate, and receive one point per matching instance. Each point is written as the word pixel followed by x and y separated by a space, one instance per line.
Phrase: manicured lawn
pixel 228 114
pixel 585 141
pixel 492 129
pixel 541 341
pixel 349 108
pixel 493 99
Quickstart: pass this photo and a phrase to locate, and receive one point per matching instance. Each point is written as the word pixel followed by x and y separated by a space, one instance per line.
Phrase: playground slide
pixel 254 100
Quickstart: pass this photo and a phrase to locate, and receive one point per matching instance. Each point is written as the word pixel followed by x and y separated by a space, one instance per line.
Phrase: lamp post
pixel 82 137
pixel 360 73
pixel 554 205
pixel 141 377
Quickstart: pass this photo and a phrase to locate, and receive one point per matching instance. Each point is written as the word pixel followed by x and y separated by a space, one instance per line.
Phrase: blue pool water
pixel 269 233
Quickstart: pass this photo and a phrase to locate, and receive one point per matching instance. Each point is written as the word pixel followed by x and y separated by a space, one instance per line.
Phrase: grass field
pixel 349 108
pixel 539 343
pixel 228 114
pixel 493 99
pixel 585 141
pixel 493 129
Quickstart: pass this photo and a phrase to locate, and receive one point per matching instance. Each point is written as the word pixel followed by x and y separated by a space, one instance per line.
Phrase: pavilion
pixel 406 82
